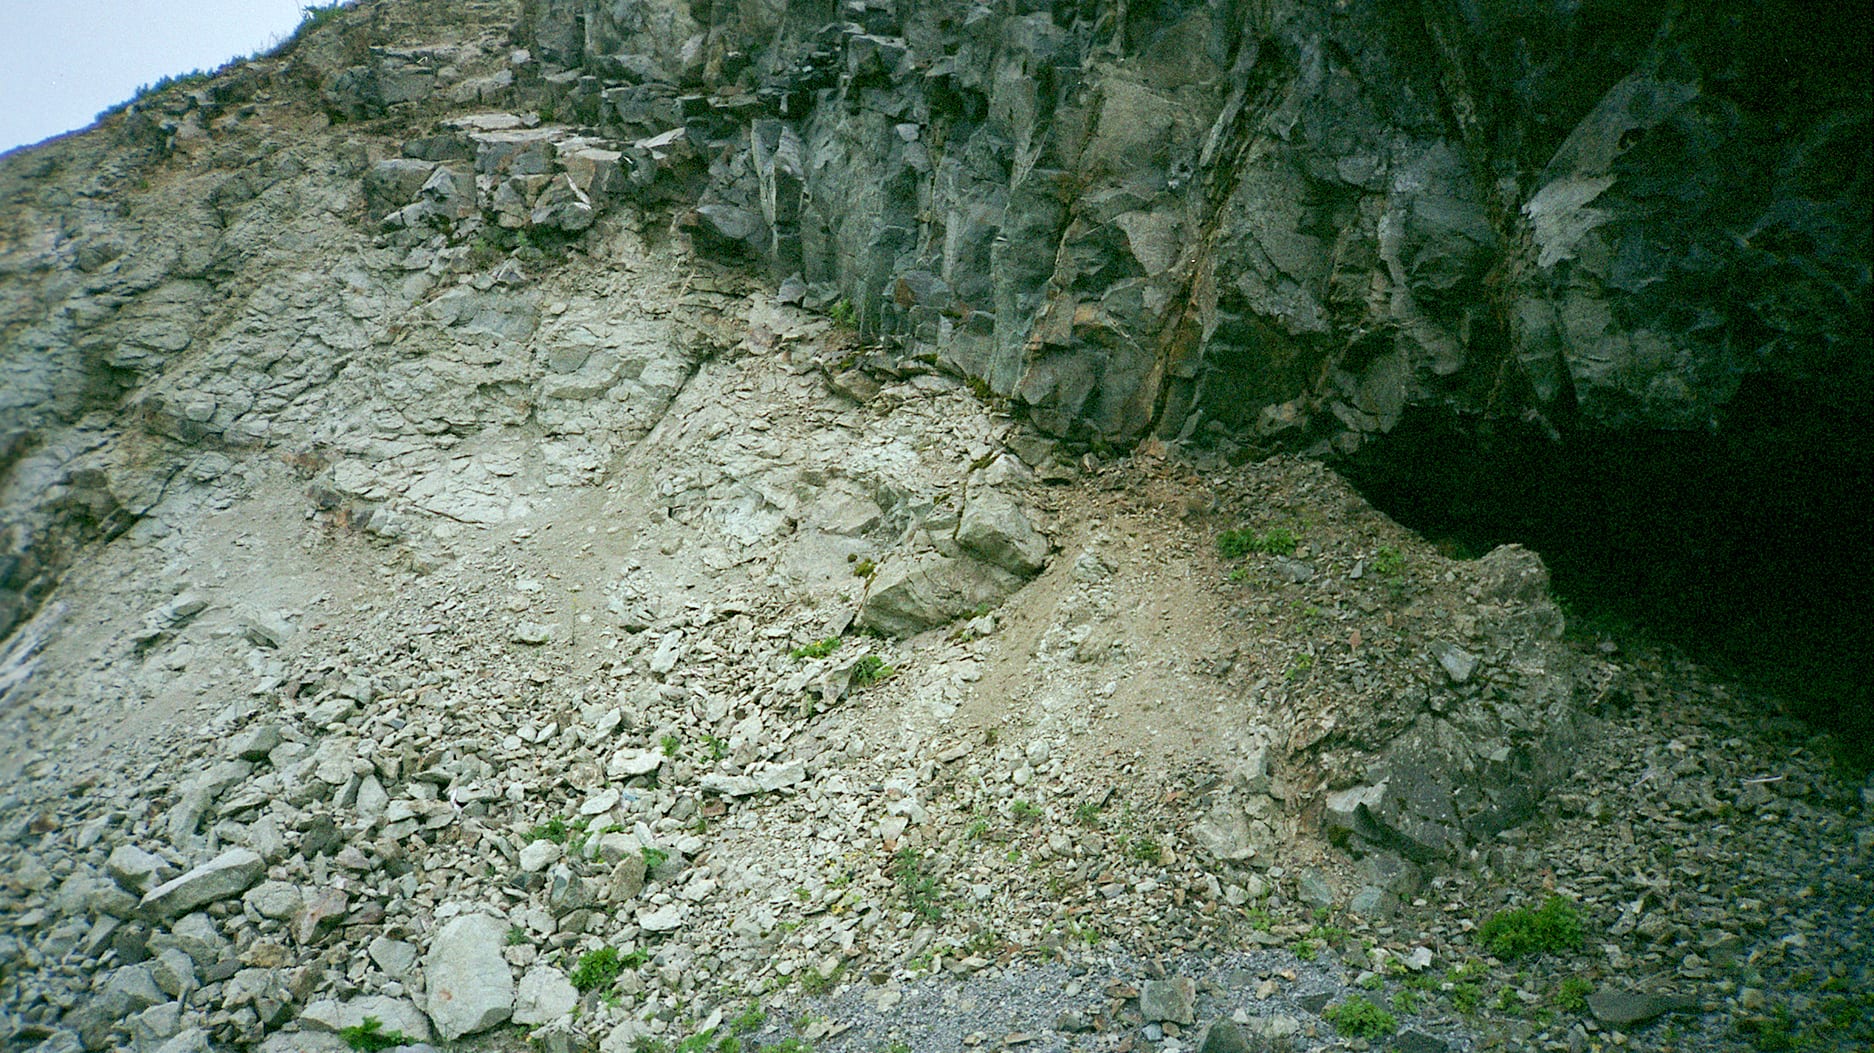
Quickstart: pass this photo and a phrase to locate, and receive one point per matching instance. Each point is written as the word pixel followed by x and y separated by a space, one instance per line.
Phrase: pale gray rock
pixel 276 900
pixel 189 1040
pixel 469 986
pixel 396 1015
pixel 395 957
pixel 995 529
pixel 173 972
pixel 544 996
pixel 627 763
pixel 1458 663
pixel 912 594
pixel 1173 999
pixel 196 936
pixel 134 869
pixel 538 855
pixel 228 874
pixel 254 743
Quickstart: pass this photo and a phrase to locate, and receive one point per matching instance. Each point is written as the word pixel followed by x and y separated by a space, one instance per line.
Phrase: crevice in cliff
pixel 1740 546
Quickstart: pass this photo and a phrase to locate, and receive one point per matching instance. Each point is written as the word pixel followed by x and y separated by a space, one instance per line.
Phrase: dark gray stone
pixel 1618 1007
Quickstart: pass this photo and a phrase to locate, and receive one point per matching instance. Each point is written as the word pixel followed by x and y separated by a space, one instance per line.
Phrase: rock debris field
pixel 564 642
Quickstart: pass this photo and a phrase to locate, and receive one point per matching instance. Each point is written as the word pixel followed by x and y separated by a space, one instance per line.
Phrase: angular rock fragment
pixel 470 988
pixel 994 528
pixel 228 874
pixel 914 594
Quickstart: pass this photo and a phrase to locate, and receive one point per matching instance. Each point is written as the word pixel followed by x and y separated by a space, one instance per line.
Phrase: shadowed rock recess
pixel 651 526
pixel 1605 266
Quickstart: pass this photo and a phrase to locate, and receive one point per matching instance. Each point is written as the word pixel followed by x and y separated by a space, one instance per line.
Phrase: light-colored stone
pixel 397 1015
pixel 994 528
pixel 544 996
pixel 469 986
pixel 228 874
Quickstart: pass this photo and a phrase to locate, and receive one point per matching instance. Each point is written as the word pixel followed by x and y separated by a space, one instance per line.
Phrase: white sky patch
pixel 62 61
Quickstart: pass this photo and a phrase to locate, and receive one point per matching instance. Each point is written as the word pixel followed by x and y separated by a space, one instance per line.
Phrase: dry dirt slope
pixel 467 612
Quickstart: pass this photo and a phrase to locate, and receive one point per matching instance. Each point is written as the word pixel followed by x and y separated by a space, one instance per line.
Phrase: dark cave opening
pixel 1745 547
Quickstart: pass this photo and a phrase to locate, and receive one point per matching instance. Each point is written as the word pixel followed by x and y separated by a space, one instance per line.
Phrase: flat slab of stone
pixel 470 987
pixel 545 997
pixel 394 1015
pixel 1174 999
pixel 228 874
pixel 1616 1007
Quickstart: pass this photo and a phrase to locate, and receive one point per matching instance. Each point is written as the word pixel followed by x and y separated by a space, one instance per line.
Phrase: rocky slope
pixel 453 581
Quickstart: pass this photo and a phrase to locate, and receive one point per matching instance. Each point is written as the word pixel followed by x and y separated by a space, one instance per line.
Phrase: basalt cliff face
pixel 1245 219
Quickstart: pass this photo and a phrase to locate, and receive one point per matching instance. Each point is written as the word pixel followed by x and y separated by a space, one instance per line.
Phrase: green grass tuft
pixel 597 969
pixel 1553 927
pixel 1234 544
pixel 370 1036
pixel 1359 1018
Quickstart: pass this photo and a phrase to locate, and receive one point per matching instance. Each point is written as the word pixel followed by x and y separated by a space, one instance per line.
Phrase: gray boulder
pixel 994 528
pixel 469 986
pixel 912 594
pixel 227 875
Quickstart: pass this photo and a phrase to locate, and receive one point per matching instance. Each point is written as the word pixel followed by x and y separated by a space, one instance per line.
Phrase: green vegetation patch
pixel 919 886
pixel 1553 927
pixel 1359 1018
pixel 817 649
pixel 370 1036
pixel 597 969
pixel 1235 544
pixel 870 670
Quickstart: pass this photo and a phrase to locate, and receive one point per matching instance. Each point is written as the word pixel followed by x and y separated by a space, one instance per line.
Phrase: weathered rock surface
pixel 223 877
pixel 470 988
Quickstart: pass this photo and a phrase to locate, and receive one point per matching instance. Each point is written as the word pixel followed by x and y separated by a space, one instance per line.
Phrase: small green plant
pixel 1235 544
pixel 870 670
pixel 865 568
pixel 1553 927
pixel 817 649
pixel 1304 664
pixel 1306 949
pixel 813 982
pixel 1405 1001
pixel 555 830
pixel 748 1021
pixel 370 1036
pixel 788 1045
pixel 1371 982
pixel 919 886
pixel 1359 1018
pixel 1388 562
pixel 1146 850
pixel 637 959
pixel 1023 811
pixel 841 311
pixel 976 830
pixel 1466 993
pixel 1572 996
pixel 516 935
pixel 597 969
pixel 653 857
pixel 670 745
pixel 1087 813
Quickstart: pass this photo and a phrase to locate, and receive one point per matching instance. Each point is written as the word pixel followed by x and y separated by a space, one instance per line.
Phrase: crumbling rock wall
pixel 1224 217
